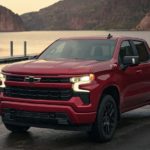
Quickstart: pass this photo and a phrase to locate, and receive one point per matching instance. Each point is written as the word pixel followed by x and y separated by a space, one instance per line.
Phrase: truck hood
pixel 52 67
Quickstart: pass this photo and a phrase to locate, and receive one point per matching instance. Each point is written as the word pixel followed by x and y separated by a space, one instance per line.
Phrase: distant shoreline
pixel 37 41
pixel 111 30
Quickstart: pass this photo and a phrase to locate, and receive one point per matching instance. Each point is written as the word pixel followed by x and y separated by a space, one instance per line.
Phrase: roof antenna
pixel 109 36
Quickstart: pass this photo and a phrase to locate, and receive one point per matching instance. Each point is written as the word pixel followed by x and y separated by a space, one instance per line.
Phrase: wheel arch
pixel 114 92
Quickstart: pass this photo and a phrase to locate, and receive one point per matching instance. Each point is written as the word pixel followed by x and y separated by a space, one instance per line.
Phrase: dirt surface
pixel 133 133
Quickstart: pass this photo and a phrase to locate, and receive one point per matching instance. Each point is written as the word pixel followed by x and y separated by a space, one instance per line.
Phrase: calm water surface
pixel 39 40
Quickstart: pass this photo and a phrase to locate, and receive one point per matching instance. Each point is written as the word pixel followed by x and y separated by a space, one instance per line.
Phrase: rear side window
pixel 125 50
pixel 142 51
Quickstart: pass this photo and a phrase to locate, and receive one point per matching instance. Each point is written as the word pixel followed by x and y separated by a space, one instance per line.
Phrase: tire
pixel 16 128
pixel 106 121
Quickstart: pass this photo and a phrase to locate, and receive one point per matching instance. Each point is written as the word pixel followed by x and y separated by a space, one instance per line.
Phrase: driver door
pixel 131 78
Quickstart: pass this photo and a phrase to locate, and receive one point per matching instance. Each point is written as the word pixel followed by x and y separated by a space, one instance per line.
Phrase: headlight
pixel 2 78
pixel 77 81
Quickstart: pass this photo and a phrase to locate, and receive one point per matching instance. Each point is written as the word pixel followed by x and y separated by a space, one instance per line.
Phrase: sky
pixel 23 6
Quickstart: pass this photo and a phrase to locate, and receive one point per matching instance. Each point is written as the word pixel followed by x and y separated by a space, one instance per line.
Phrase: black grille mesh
pixel 43 80
pixel 38 93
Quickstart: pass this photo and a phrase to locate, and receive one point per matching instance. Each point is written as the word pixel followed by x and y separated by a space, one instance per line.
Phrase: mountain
pixel 10 21
pixel 145 23
pixel 88 14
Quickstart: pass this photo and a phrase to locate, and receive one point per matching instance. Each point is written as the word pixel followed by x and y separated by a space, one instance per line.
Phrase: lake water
pixel 39 40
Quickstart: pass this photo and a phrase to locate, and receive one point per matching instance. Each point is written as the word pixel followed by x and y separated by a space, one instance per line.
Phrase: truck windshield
pixel 80 49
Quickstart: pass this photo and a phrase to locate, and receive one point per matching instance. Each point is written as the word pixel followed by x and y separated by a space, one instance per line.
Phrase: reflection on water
pixel 39 40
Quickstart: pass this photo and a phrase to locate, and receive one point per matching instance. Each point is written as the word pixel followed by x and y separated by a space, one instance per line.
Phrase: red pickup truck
pixel 80 83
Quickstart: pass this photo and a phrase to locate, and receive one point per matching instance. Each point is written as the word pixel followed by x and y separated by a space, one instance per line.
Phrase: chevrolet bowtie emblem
pixel 32 79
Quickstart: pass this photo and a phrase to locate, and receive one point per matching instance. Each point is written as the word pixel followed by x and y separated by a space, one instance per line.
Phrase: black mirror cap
pixel 131 60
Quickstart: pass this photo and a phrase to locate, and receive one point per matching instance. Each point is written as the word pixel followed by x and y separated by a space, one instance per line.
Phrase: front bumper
pixel 33 114
pixel 77 109
pixel 45 120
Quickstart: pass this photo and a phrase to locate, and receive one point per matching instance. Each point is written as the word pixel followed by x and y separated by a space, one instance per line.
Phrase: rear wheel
pixel 106 122
pixel 16 128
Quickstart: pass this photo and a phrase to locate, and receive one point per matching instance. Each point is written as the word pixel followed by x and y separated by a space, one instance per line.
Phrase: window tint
pixel 91 49
pixel 142 51
pixel 125 50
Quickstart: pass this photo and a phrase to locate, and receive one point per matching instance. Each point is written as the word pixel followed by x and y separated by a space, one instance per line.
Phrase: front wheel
pixel 106 122
pixel 16 128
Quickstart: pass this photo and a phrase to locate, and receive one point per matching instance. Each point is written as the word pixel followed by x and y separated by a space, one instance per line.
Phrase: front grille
pixel 34 118
pixel 38 93
pixel 27 114
pixel 15 78
pixel 55 80
pixel 42 80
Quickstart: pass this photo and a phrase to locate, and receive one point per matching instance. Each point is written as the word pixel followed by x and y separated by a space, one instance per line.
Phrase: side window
pixel 125 50
pixel 142 50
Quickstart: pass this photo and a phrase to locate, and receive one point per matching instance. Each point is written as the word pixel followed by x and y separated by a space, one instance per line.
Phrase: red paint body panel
pixel 132 84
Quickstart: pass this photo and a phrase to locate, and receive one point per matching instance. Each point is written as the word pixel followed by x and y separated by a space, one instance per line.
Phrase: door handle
pixel 139 71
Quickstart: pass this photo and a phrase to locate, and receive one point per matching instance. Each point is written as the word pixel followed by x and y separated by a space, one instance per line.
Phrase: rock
pixel 145 23
pixel 87 15
pixel 10 21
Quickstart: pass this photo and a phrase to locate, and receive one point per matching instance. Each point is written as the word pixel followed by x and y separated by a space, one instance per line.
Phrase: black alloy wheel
pixel 106 122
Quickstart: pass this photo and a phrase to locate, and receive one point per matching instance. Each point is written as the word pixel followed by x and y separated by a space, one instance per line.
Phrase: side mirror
pixel 131 60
